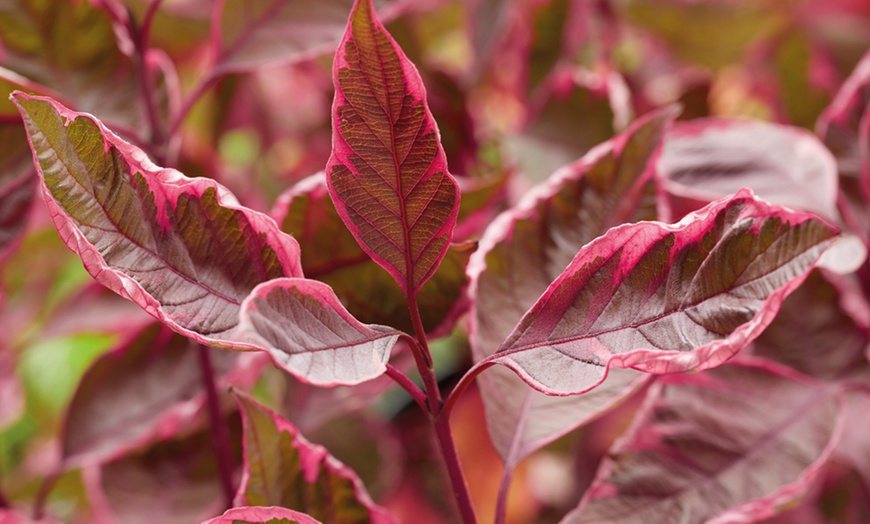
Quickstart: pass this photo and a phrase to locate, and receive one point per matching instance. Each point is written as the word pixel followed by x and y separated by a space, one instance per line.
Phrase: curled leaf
pixel 262 515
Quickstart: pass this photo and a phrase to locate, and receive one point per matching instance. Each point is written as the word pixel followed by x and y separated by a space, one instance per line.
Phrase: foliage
pixel 539 261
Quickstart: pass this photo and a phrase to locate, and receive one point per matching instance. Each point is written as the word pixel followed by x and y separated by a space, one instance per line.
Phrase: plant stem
pixel 440 418
pixel 206 84
pixel 412 389
pixel 504 488
pixel 219 433
pixel 3 502
pixel 140 36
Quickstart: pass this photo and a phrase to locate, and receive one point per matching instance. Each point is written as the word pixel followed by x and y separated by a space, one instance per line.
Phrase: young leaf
pixel 733 444
pixel 144 389
pixel 707 159
pixel 525 249
pixel 180 248
pixel 262 515
pixel 665 298
pixel 306 330
pixel 388 173
pixel 283 469
pixel 369 293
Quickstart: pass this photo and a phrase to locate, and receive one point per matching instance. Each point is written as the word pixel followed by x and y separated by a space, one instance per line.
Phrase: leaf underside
pixel 663 298
pixel 736 442
pixel 303 325
pixel 388 173
pixel 526 249
pixel 180 248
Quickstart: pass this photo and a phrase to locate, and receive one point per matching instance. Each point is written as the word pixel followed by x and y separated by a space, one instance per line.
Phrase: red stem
pixel 440 417
pixel 3 502
pixel 140 36
pixel 412 389
pixel 206 84
pixel 219 433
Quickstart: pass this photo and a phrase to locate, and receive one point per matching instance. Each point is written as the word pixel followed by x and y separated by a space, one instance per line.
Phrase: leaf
pixel 525 249
pixel 387 173
pixel 733 444
pixel 283 469
pixel 256 33
pixel 262 515
pixel 369 293
pixel 812 334
pixel 17 175
pixel 70 48
pixel 582 110
pixel 145 389
pixel 306 330
pixel 180 248
pixel 707 159
pixel 174 481
pixel 665 298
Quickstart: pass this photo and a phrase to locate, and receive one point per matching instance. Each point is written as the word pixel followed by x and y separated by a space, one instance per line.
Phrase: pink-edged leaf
pixel 174 481
pixel 582 109
pixel 844 126
pixel 854 448
pixel 388 173
pixel 182 249
pixel 262 515
pixel 525 249
pixel 733 444
pixel 283 469
pixel 665 298
pixel 145 389
pixel 707 159
pixel 369 293
pixel 812 334
pixel 255 33
pixel 306 330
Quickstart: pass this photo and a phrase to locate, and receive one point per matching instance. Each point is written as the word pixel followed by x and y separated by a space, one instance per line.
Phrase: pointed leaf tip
pixel 182 249
pixel 665 298
pixel 388 172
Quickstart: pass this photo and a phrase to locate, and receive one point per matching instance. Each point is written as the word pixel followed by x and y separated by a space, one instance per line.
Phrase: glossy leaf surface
pixel 732 444
pixel 262 515
pixel 180 248
pixel 283 469
pixel 665 298
pixel 369 293
pixel 388 173
pixel 707 159
pixel 525 249
pixel 306 330
pixel 146 388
